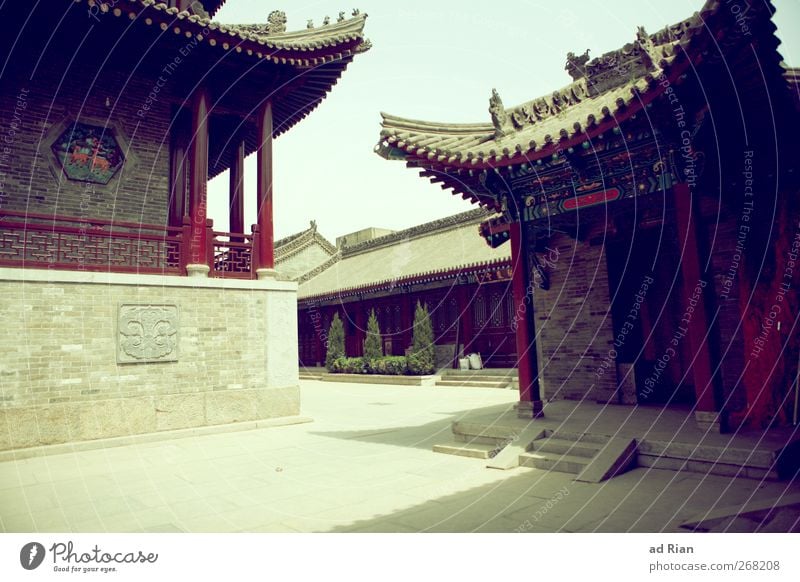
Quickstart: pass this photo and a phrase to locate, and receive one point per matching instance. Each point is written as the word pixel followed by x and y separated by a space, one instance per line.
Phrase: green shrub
pixel 389 365
pixel 422 359
pixel 335 342
pixel 373 346
pixel 419 365
pixel 348 366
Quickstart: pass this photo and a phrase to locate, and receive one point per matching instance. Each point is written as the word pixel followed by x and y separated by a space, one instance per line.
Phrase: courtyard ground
pixel 364 464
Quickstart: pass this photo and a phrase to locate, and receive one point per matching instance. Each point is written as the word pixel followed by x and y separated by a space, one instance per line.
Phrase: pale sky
pixel 436 61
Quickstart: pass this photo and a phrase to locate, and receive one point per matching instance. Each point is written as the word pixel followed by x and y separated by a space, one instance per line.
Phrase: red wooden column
pixel 237 189
pixel 178 168
pixel 530 399
pixel 198 182
pixel 266 253
pixel 465 319
pixel 696 328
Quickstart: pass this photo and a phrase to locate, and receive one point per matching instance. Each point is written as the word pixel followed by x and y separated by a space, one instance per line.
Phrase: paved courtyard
pixel 364 464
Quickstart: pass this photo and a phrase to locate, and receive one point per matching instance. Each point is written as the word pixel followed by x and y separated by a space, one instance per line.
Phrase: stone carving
pixel 276 22
pixel 147 333
pixel 575 65
pixel 500 118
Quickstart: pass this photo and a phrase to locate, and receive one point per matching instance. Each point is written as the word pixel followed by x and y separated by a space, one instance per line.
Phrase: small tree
pixel 423 356
pixel 335 342
pixel 373 347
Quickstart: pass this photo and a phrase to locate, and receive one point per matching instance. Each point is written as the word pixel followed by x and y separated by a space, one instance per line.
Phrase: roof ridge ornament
pixel 276 22
pixel 576 65
pixel 500 119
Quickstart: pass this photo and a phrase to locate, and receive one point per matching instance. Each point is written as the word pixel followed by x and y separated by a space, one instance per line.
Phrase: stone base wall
pixel 235 350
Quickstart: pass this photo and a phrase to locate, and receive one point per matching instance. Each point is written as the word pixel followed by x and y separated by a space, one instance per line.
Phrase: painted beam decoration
pixel 619 174
pixel 88 153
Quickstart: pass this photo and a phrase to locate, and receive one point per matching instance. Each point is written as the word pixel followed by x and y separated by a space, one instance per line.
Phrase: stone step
pixel 470 449
pixel 554 462
pixel 473 383
pixel 475 429
pixel 484 440
pixel 565 447
pixel 581 437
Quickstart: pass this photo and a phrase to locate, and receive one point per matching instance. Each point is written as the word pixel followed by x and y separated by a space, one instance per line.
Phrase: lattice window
pixel 496 309
pixel 479 311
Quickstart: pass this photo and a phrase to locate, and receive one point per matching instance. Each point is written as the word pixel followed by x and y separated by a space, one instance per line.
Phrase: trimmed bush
pixel 349 366
pixel 335 342
pixel 389 365
pixel 373 346
pixel 422 359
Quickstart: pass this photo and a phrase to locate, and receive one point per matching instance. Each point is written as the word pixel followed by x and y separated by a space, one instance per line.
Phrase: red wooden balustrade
pixel 88 244
pixel 233 255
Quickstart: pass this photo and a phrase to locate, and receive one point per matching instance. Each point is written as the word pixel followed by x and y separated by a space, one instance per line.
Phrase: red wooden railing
pixel 78 244
pixel 233 255
pixel 65 242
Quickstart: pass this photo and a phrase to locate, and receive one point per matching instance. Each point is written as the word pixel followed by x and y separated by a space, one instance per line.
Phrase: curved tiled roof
pixel 439 250
pixel 605 92
pixel 293 244
pixel 533 127
pixel 304 48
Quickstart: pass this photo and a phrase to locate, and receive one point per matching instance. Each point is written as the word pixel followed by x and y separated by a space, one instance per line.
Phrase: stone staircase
pixel 486 378
pixel 592 458
pixel 596 457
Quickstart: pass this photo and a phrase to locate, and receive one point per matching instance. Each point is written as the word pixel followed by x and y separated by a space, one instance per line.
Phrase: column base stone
pixel 266 274
pixel 197 270
pixel 530 409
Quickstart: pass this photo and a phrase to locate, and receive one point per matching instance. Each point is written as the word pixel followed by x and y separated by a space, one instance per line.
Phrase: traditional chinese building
pixel 443 264
pixel 665 176
pixel 127 309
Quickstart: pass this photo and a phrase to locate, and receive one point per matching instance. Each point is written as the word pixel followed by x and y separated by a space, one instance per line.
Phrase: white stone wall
pixel 59 376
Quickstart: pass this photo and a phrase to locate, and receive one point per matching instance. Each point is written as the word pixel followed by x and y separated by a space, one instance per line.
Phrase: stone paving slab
pixel 364 464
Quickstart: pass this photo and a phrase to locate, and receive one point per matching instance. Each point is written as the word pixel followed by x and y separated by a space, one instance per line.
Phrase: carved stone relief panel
pixel 147 333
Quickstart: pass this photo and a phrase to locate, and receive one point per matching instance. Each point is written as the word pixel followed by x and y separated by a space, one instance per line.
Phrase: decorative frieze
pixel 147 333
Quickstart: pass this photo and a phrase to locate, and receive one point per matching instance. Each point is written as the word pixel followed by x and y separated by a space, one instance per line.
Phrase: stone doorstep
pixel 79 446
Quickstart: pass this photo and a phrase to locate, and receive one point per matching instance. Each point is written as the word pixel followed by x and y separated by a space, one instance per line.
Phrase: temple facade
pixel 442 264
pixel 662 182
pixel 127 309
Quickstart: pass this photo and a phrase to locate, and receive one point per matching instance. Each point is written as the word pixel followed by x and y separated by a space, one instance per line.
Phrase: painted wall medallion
pixel 88 153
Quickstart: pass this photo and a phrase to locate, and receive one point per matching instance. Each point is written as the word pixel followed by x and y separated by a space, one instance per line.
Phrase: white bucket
pixel 463 363
pixel 475 361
